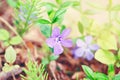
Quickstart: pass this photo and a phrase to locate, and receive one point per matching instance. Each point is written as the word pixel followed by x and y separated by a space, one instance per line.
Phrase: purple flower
pixel 85 48
pixel 57 40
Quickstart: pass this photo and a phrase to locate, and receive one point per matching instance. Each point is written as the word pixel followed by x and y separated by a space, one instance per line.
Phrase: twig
pixel 10 27
pixel 13 76
pixel 5 75
pixel 52 68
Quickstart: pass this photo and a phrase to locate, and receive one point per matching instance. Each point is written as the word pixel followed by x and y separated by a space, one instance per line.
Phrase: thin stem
pixel 13 76
pixel 10 27
pixel 30 11
pixel 51 29
pixel 26 23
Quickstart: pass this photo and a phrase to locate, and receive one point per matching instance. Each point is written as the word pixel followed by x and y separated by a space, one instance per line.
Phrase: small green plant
pixel 26 14
pixel 10 57
pixel 35 72
pixel 7 40
pixel 90 75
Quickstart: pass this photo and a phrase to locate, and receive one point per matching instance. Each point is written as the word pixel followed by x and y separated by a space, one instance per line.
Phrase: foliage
pixel 5 37
pixel 105 57
pixel 94 75
pixel 10 57
pixel 106 35
pixel 50 58
pixel 35 72
pixel 26 13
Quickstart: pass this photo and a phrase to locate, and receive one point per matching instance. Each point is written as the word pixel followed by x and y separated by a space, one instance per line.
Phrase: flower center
pixel 85 46
pixel 58 39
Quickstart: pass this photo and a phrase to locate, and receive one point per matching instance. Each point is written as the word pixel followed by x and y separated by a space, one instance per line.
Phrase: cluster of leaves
pixel 107 43
pixel 5 37
pixel 87 25
pixel 55 13
pixel 10 57
pixel 35 72
pixel 90 75
pixel 26 13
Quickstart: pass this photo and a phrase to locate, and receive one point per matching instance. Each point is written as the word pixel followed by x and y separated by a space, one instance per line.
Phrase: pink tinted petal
pixel 55 32
pixel 65 33
pixel 89 55
pixel 58 49
pixel 50 42
pixel 94 47
pixel 88 39
pixel 79 52
pixel 80 43
pixel 67 43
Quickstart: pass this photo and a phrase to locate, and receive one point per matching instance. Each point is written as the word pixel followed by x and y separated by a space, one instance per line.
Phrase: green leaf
pixel 6 43
pixel 100 76
pixel 49 3
pixel 12 3
pixel 59 1
pixel 62 28
pixel 116 8
pixel 66 4
pixel 10 55
pixel 89 12
pixel 59 14
pixel 116 77
pixel 80 27
pixel 51 15
pixel 4 35
pixel 15 40
pixel 105 57
pixel 43 21
pixel 88 72
pixel 8 68
pixel 45 29
pixel 76 3
pixel 45 61
pixel 49 9
pixel 107 42
pixel 95 5
pixel 53 57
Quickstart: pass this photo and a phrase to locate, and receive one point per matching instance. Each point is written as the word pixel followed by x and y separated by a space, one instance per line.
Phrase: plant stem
pixel 30 11
pixel 11 28
pixel 13 76
pixel 111 71
pixel 51 29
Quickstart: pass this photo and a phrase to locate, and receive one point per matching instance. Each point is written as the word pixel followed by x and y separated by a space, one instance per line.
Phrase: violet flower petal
pixel 55 32
pixel 79 52
pixel 67 43
pixel 88 39
pixel 58 49
pixel 65 33
pixel 94 47
pixel 80 43
pixel 89 55
pixel 50 42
